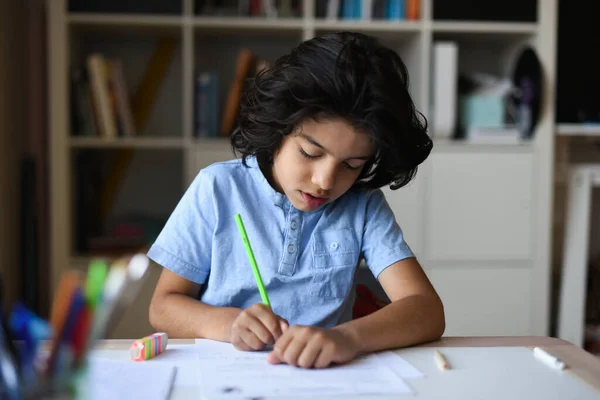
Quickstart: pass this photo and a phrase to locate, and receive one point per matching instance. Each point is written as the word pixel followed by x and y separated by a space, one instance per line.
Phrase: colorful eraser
pixel 148 347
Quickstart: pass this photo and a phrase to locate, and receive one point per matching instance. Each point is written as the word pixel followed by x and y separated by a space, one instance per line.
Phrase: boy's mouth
pixel 314 201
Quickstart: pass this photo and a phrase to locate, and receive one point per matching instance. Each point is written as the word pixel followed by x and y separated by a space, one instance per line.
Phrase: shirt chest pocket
pixel 335 257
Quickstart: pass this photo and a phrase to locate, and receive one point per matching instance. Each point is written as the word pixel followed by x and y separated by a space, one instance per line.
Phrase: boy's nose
pixel 324 178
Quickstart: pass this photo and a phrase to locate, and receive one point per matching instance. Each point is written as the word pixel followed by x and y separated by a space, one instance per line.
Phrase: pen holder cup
pixel 40 393
pixel 45 390
pixel 50 395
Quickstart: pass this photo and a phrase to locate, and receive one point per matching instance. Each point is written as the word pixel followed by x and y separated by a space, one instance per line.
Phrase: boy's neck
pixel 267 171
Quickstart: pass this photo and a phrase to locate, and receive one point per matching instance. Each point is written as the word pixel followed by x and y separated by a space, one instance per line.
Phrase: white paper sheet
pixel 121 379
pixel 227 372
pixel 399 365
pixel 182 356
pixel 185 358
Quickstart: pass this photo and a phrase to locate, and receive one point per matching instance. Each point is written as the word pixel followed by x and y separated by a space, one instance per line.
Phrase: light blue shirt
pixel 307 260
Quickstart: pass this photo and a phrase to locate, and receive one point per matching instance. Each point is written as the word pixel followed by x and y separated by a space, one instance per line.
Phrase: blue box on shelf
pixel 482 111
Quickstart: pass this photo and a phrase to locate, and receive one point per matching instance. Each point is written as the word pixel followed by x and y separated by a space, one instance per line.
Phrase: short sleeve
pixel 383 241
pixel 185 242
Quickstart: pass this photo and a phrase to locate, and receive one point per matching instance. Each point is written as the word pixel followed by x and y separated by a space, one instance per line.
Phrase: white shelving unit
pixel 125 20
pixel 486 247
pixel 502 28
pixel 141 143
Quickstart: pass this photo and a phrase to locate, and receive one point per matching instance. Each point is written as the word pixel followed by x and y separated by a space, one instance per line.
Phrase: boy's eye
pixel 312 157
pixel 305 154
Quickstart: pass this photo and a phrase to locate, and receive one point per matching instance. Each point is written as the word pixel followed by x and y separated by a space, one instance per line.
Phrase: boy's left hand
pixel 310 347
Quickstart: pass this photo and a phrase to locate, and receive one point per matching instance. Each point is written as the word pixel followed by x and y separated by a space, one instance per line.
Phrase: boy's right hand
pixel 256 327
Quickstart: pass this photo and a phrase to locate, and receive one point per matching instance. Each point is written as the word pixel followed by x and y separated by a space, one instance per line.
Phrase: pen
pixel 9 374
pixel 548 359
pixel 259 282
pixel 9 363
pixel 440 360
pixel 31 330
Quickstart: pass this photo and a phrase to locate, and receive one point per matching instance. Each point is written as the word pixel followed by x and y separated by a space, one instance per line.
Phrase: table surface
pixel 580 364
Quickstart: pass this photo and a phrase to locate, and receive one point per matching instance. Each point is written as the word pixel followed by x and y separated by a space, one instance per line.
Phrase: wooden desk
pixel 584 366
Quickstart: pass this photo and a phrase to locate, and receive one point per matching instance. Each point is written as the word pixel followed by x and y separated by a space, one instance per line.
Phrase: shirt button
pixel 292 248
pixel 294 225
pixel 334 245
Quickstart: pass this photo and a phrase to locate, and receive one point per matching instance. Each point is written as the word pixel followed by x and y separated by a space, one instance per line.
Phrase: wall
pixel 12 124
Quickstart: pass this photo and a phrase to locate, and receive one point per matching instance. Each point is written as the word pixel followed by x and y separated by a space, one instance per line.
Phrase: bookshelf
pixel 167 154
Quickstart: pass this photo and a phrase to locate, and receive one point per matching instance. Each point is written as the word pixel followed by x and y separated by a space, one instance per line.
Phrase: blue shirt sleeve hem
pixel 382 264
pixel 173 263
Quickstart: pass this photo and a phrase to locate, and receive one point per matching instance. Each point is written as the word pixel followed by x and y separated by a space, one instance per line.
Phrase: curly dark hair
pixel 340 75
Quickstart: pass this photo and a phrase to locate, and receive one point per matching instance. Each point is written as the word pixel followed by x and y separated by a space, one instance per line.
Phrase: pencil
pixel 97 271
pixel 259 282
pixel 68 285
pixel 441 361
pixel 548 358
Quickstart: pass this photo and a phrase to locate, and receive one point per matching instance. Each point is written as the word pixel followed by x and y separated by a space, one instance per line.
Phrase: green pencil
pixel 259 282
pixel 97 271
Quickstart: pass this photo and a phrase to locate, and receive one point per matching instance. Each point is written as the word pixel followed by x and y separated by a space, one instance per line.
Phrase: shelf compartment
pixel 216 59
pixel 159 115
pixel 491 55
pixel 120 204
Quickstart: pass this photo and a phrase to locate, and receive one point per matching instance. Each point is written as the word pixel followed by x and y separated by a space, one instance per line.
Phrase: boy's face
pixel 319 162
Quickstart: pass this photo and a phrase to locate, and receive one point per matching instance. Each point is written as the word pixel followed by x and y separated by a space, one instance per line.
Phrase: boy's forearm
pixel 409 321
pixel 181 316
